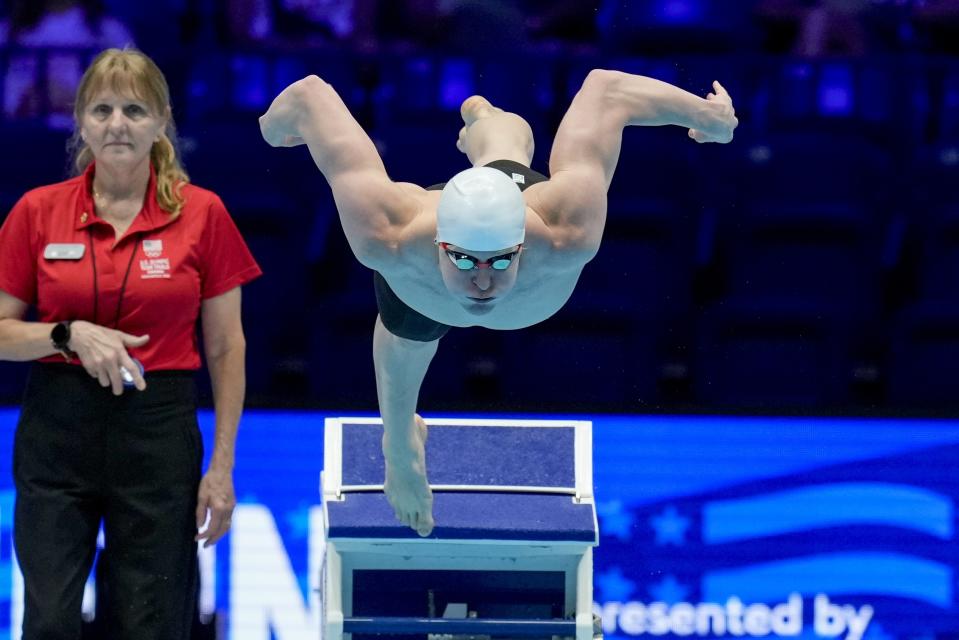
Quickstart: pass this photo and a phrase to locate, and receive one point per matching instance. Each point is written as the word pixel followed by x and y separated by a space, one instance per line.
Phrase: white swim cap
pixel 481 209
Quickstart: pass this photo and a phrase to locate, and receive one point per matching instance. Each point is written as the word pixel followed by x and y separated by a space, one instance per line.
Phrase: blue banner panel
pixel 711 527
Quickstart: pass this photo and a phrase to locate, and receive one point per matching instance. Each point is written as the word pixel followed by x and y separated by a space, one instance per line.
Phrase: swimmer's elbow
pixel 601 80
pixel 632 99
pixel 609 87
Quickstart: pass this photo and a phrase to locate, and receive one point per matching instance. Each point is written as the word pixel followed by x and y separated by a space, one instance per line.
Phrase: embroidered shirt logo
pixel 153 266
pixel 153 248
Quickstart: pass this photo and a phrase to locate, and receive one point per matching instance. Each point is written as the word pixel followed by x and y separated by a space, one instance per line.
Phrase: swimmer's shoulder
pixel 413 252
pixel 571 220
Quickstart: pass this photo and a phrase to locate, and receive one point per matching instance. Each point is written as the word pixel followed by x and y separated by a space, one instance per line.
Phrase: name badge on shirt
pixel 64 251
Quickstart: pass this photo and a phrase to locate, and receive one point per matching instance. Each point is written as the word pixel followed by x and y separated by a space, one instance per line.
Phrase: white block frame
pixel 346 555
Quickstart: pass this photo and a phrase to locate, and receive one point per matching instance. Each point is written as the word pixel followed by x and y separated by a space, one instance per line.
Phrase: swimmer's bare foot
pixel 491 134
pixel 474 108
pixel 406 487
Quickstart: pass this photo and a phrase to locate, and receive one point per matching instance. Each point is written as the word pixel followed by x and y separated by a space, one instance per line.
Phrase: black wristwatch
pixel 60 337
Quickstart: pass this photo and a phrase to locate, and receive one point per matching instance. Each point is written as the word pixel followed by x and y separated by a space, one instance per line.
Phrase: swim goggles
pixel 466 262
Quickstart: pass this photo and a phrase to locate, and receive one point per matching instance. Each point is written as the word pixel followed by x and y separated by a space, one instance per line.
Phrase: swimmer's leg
pixel 489 134
pixel 400 365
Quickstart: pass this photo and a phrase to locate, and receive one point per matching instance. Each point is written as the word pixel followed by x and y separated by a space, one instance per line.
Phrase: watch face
pixel 60 335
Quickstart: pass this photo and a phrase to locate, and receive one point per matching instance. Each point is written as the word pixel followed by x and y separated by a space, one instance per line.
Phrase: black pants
pixel 83 456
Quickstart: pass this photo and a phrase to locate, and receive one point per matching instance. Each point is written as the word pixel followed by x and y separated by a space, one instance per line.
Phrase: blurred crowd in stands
pixel 802 27
pixel 810 265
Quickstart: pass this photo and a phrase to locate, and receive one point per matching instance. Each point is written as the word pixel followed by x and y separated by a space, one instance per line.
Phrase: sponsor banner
pixel 710 528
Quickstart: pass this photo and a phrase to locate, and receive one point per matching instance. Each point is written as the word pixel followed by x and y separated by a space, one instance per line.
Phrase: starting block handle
pixel 463 626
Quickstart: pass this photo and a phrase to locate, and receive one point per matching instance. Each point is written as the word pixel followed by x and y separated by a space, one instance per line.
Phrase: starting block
pixel 512 550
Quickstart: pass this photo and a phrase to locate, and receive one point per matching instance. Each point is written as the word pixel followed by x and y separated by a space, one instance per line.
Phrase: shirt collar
pixel 150 218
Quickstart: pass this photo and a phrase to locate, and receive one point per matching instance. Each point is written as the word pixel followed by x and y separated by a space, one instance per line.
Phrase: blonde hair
pixel 128 71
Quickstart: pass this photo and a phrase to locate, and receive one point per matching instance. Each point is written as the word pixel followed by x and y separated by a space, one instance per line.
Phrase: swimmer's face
pixel 481 287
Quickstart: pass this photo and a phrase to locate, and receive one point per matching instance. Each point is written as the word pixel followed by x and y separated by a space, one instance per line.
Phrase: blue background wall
pixel 811 265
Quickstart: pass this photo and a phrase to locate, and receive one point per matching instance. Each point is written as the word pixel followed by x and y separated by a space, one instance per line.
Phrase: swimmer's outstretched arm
pixel 587 144
pixel 373 209
pixel 400 365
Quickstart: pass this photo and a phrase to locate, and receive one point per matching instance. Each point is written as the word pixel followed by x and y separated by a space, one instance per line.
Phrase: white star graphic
pixel 670 527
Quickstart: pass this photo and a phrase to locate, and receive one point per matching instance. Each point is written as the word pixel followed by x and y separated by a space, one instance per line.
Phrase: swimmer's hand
pixel 280 125
pixel 406 487
pixel 719 120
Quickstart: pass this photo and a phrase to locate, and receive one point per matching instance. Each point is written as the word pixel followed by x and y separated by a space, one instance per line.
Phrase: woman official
pixel 121 262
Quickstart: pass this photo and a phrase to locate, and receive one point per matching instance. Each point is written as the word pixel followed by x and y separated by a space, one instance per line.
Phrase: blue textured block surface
pixel 471 455
pixel 469 516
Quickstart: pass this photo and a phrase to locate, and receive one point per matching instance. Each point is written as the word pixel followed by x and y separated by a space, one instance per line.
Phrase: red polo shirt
pixel 169 265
